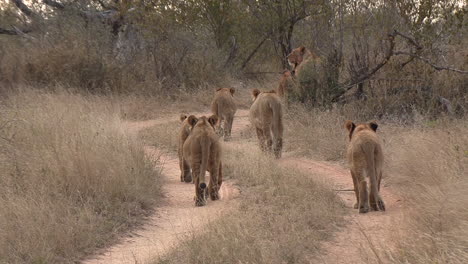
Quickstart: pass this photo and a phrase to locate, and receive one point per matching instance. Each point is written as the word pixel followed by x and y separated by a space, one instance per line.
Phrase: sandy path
pixel 362 232
pixel 178 217
pixel 174 219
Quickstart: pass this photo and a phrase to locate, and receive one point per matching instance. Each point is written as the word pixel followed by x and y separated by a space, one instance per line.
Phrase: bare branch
pixel 427 61
pixel 14 31
pixel 410 40
pixel 54 4
pixel 28 12
pixel 265 72
pixel 367 75
pixel 104 6
pixel 8 31
pixel 254 51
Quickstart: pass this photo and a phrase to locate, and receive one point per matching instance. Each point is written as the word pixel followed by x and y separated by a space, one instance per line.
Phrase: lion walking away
pixel 225 108
pixel 266 117
pixel 202 151
pixel 365 158
pixel 185 173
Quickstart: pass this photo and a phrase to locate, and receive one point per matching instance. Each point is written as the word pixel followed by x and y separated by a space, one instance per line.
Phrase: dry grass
pixel 428 164
pixel 315 133
pixel 71 177
pixel 282 217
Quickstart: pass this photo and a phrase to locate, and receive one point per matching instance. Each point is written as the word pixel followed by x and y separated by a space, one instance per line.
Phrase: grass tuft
pixel 71 177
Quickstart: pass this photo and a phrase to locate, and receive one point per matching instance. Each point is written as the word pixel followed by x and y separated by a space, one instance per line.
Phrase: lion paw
pixel 364 210
pixel 200 202
pixel 214 196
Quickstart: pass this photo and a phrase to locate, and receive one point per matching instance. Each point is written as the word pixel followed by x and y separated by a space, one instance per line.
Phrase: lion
pixel 365 158
pixel 185 174
pixel 266 116
pixel 202 152
pixel 299 57
pixel 224 107
pixel 284 84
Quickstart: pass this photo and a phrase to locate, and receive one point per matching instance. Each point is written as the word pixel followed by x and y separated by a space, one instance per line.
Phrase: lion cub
pixel 266 116
pixel 185 174
pixel 202 152
pixel 365 157
pixel 225 108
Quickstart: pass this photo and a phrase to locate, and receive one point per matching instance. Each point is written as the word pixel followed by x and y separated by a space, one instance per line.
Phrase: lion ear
pixel 302 49
pixel 255 92
pixel 182 117
pixel 349 125
pixel 192 120
pixel 213 120
pixel 219 89
pixel 374 126
pixel 232 90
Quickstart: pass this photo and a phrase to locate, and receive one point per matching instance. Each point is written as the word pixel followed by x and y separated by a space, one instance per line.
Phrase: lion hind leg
pixel 213 185
pixel 187 175
pixel 363 193
pixel 199 192
pixel 268 138
pixel 376 202
pixel 356 189
pixel 261 139
pixel 228 127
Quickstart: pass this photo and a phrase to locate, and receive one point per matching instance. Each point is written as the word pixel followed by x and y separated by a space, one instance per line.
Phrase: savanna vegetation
pixel 71 71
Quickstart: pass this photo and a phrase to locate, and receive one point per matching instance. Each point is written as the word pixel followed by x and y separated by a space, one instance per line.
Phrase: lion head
pixel 353 128
pixel 297 56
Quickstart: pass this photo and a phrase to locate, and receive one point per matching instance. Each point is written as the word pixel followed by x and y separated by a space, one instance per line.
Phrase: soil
pixel 177 217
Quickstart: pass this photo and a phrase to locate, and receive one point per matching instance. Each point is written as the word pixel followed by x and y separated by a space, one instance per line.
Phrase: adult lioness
pixel 365 158
pixel 185 174
pixel 224 107
pixel 267 118
pixel 202 151
pixel 299 57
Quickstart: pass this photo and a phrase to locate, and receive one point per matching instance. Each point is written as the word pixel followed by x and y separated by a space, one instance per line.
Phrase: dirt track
pixel 177 216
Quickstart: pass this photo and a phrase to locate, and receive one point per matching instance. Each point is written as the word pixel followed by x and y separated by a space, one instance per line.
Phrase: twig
pixel 410 40
pixel 266 72
pixel 53 3
pixel 427 61
pixel 23 8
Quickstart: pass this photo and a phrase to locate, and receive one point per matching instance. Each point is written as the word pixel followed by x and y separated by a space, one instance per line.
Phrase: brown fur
pixel 185 174
pixel 298 58
pixel 365 157
pixel 202 151
pixel 224 107
pixel 267 118
pixel 285 80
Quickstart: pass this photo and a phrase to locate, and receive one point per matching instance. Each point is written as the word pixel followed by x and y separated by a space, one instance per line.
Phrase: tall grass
pixel 316 133
pixel 428 166
pixel 282 217
pixel 71 177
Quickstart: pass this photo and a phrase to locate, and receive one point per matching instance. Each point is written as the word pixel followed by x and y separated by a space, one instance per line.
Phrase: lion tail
pixel 371 170
pixel 277 127
pixel 205 153
pixel 214 108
